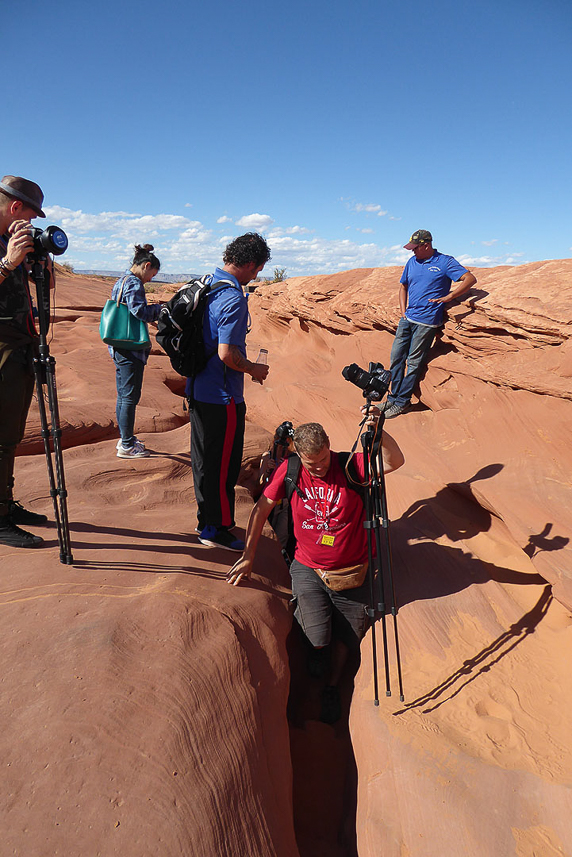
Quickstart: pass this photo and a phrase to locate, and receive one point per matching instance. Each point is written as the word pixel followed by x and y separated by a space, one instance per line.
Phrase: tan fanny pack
pixel 338 579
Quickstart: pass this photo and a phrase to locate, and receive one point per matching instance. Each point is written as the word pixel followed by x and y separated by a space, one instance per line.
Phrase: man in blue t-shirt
pixel 216 395
pixel 425 286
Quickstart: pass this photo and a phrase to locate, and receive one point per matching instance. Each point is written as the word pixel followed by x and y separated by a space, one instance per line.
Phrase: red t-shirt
pixel 328 523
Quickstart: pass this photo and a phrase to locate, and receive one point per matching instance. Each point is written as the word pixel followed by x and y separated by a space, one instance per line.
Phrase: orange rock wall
pixel 145 699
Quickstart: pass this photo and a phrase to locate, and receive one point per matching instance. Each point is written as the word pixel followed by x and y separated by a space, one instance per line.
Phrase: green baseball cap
pixel 422 236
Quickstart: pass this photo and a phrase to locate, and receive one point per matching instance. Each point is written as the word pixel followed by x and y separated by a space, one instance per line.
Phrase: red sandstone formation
pixel 144 700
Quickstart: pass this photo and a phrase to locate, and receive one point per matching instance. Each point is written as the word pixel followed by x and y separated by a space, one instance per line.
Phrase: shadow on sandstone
pixel 425 568
pixel 484 660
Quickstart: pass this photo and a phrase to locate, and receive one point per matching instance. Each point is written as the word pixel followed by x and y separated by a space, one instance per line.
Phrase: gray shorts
pixel 318 608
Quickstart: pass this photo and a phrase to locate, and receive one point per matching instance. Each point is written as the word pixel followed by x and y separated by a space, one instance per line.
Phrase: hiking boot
pixel 14 537
pixel 19 515
pixel 317 662
pixel 395 411
pixel 120 442
pixel 219 538
pixel 331 705
pixel 136 451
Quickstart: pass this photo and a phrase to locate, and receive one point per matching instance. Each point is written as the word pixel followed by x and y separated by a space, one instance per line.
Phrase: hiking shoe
pixel 120 442
pixel 216 538
pixel 331 710
pixel 394 411
pixel 14 537
pixel 19 515
pixel 317 662
pixel 136 451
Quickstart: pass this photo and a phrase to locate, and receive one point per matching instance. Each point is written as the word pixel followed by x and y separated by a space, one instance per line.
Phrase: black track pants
pixel 217 439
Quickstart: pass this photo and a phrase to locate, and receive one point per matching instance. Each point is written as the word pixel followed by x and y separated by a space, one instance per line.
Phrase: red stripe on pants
pixel 226 453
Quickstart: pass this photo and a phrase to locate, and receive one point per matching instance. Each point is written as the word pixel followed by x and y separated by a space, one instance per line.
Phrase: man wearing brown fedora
pixel 20 202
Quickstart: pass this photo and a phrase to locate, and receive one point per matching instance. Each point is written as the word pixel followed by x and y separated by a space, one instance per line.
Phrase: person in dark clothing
pixel 21 201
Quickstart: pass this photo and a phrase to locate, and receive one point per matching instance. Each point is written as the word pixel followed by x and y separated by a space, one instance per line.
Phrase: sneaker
pixel 136 451
pixel 14 537
pixel 394 411
pixel 19 515
pixel 216 538
pixel 120 442
pixel 331 710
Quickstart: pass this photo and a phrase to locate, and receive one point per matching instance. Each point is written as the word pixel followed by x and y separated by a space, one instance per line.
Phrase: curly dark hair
pixel 246 249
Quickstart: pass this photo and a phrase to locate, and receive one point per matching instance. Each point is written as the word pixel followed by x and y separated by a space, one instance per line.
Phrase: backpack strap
pixel 291 478
pixel 346 462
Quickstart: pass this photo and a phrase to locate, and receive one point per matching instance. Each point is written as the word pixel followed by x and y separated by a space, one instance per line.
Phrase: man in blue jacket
pixel 425 286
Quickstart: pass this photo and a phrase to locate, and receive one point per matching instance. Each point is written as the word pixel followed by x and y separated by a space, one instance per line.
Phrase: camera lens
pixel 52 240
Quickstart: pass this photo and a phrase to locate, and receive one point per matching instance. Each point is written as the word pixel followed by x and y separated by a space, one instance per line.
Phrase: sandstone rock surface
pixel 144 700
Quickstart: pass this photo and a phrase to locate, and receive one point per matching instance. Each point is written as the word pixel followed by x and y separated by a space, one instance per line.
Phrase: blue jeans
pixel 129 382
pixel 411 344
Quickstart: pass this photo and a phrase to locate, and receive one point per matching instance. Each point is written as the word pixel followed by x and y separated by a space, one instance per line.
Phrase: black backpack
pixel 281 516
pixel 180 326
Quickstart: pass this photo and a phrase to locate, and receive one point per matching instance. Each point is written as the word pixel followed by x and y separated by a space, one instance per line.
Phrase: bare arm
pixel 392 456
pixel 258 517
pixel 466 282
pixel 391 453
pixel 403 293
pixel 231 357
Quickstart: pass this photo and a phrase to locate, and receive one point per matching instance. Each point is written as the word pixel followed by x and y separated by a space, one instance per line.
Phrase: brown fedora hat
pixel 24 190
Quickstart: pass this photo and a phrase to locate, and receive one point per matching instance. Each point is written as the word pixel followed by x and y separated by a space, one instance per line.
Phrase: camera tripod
pixel 45 375
pixel 376 519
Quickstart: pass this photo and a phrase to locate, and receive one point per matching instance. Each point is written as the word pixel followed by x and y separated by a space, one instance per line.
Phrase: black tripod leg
pixel 45 374
pixel 65 542
pixel 45 431
pixel 384 517
pixel 381 606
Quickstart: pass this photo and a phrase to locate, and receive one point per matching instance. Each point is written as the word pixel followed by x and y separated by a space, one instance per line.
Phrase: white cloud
pixel 104 241
pixel 320 255
pixel 490 243
pixel 188 205
pixel 492 261
pixel 368 207
pixel 257 222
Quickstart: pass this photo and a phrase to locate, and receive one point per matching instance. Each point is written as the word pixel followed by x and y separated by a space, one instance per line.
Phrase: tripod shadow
pixel 483 662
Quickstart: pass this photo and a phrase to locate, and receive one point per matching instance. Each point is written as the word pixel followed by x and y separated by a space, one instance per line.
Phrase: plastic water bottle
pixel 262 358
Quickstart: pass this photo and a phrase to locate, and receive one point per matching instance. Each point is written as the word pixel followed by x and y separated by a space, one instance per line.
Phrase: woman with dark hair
pixel 129 365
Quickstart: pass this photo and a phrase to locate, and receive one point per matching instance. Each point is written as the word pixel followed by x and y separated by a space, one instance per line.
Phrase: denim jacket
pixel 134 296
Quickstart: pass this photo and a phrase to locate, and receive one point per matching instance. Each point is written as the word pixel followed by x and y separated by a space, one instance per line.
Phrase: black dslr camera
pixel 283 432
pixel 374 383
pixel 51 240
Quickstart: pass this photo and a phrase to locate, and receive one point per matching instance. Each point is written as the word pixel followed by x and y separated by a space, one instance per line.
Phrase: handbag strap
pixel 121 291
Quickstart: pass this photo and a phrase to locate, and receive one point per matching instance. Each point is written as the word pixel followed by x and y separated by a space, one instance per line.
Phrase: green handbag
pixel 120 328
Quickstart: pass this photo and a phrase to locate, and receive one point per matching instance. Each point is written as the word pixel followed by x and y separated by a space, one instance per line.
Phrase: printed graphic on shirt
pixel 323 504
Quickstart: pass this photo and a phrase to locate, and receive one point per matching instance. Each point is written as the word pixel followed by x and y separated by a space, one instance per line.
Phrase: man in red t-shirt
pixel 327 517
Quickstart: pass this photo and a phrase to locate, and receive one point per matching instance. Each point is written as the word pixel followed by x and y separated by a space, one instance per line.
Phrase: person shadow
pixel 427 569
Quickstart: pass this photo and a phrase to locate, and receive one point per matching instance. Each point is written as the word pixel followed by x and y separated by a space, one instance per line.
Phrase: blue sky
pixel 336 130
